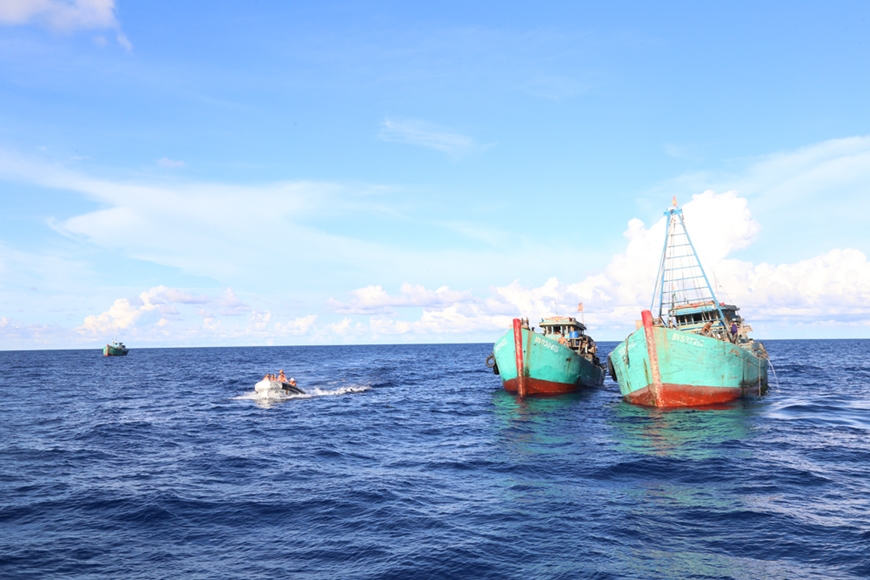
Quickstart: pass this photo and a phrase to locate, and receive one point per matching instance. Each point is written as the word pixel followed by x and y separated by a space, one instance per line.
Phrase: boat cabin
pixel 573 331
pixel 693 317
pixel 565 325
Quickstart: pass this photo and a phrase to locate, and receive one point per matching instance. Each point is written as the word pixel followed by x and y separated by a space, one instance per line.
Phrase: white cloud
pixel 296 327
pixel 255 237
pixel 374 300
pixel 124 41
pixel 15 334
pixel 231 305
pixel 166 315
pixel 124 313
pixel 65 16
pixel 221 231
pixel 166 162
pixel 831 289
pixel 261 236
pixel 821 188
pixel 343 329
pixel 414 132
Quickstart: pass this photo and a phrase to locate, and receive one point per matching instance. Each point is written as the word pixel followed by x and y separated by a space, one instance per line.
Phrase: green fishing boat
pixel 696 350
pixel 559 359
pixel 115 349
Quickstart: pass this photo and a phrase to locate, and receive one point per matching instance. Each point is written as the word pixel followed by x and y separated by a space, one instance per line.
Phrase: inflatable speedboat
pixel 275 388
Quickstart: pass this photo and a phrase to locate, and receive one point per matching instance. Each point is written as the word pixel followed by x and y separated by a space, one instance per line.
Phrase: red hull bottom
pixel 541 387
pixel 673 395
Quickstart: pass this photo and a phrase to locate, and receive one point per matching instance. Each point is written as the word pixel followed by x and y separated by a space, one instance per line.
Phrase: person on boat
pixel 706 331
pixel 288 384
pixel 734 330
pixel 267 377
pixel 561 339
pixel 282 378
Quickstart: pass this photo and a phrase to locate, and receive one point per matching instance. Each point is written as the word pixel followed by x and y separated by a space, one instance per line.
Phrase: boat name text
pixel 686 339
pixel 546 344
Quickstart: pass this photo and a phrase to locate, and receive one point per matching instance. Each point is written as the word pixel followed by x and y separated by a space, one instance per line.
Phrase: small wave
pixel 830 411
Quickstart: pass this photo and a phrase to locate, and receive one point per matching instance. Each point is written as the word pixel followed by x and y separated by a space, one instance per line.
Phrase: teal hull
pixel 112 351
pixel 684 369
pixel 549 368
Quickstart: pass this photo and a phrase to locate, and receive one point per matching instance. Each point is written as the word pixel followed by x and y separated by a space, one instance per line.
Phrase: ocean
pixel 411 462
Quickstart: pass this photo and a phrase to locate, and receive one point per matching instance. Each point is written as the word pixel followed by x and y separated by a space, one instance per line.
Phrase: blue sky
pixel 297 173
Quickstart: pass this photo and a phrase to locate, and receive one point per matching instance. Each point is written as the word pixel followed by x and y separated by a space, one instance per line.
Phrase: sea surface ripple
pixel 410 461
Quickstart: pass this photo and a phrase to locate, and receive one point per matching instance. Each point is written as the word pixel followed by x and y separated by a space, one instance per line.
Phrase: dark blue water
pixel 411 462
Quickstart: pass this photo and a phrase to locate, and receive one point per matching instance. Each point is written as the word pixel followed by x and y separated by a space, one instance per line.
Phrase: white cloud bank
pixel 162 314
pixel 374 300
pixel 215 230
pixel 64 16
pixel 125 312
pixel 832 289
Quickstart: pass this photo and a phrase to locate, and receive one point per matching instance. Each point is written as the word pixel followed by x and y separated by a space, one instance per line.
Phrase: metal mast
pixel 681 278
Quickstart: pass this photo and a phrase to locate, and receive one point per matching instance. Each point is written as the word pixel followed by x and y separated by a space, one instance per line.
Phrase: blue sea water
pixel 410 461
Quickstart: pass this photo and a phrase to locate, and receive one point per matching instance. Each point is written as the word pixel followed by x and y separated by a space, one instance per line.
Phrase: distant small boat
pixel 270 388
pixel 696 350
pixel 560 359
pixel 115 349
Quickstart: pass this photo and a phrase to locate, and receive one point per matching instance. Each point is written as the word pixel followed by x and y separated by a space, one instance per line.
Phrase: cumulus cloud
pixel 162 314
pixel 296 327
pixel 414 132
pixel 125 312
pixel 65 16
pixel 824 186
pixel 833 288
pixel 255 234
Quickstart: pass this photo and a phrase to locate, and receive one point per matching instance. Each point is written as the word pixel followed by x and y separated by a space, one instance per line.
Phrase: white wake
pixel 310 393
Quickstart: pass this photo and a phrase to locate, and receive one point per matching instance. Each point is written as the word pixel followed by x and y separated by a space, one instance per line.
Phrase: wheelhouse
pixel 566 326
pixel 693 317
pixel 571 332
